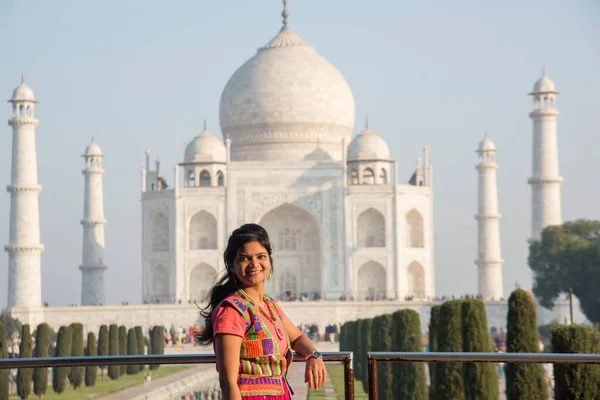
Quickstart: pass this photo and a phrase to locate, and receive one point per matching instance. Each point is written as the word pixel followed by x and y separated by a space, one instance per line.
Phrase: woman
pixel 251 335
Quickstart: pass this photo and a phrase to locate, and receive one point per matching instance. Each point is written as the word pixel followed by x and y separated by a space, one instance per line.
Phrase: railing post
pixel 373 383
pixel 348 378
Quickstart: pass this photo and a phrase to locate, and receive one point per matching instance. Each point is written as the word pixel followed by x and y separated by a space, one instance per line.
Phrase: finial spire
pixel 544 71
pixel 204 124
pixel 22 77
pixel 285 14
pixel 367 122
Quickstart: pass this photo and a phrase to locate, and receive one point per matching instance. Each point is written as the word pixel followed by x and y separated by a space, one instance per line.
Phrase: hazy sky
pixel 137 73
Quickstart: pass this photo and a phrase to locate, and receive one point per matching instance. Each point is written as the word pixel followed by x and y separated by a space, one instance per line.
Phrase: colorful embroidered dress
pixel 263 364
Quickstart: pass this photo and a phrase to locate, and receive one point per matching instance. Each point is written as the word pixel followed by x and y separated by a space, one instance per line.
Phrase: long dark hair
pixel 228 283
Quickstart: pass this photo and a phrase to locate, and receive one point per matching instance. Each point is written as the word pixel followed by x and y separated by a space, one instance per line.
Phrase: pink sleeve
pixel 228 320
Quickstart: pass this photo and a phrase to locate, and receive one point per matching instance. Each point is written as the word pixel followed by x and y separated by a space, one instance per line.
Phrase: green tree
pixel 575 381
pixel 42 345
pixel 367 336
pixel 63 349
pixel 91 371
pixel 114 371
pixel 24 375
pixel 359 368
pixel 139 336
pixel 103 346
pixel 409 378
pixel 122 347
pixel 449 376
pixel 568 256
pixel 4 381
pixel 480 379
pixel 434 328
pixel 382 341
pixel 13 326
pixel 132 350
pixel 158 343
pixel 523 381
pixel 76 373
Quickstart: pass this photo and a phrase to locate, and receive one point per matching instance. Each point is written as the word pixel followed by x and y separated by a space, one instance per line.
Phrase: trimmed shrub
pixel 122 347
pixel 480 379
pixel 359 367
pixel 382 341
pixel 141 344
pixel 25 375
pixel 91 371
pixel 523 381
pixel 42 344
pixel 367 336
pixel 434 328
pixel 63 349
pixel 103 346
pixel 114 371
pixel 409 378
pixel 158 343
pixel 132 350
pixel 449 376
pixel 575 381
pixel 4 381
pixel 76 373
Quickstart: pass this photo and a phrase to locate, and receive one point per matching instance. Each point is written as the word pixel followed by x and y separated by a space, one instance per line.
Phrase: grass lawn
pixel 336 375
pixel 105 387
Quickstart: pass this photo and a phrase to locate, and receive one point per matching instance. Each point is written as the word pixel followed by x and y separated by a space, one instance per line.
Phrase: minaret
pixel 489 260
pixel 545 180
pixel 24 248
pixel 92 266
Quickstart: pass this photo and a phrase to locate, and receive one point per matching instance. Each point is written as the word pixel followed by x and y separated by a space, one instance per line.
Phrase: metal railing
pixel 531 358
pixel 158 359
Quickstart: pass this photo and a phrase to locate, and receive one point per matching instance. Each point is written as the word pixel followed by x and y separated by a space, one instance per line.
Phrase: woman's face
pixel 252 265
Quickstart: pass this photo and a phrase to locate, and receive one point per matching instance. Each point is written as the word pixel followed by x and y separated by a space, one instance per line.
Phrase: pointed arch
pixel 294 235
pixel 416 280
pixel 204 178
pixel 371 281
pixel 160 283
pixel 191 177
pixel 220 179
pixel 202 278
pixel 368 176
pixel 203 231
pixel 354 177
pixel 160 233
pixel 383 176
pixel 370 229
pixel 415 231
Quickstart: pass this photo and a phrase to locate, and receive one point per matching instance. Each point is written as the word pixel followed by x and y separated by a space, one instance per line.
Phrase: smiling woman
pixel 252 337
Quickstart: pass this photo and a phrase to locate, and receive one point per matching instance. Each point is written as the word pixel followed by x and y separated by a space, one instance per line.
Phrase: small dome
pixel 486 145
pixel 368 145
pixel 23 93
pixel 93 149
pixel 205 148
pixel 544 85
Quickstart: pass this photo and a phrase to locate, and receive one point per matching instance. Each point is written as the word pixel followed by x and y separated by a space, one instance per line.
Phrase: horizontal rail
pixel 151 359
pixel 487 357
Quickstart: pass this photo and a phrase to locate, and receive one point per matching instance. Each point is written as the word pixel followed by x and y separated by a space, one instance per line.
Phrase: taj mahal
pixel 351 238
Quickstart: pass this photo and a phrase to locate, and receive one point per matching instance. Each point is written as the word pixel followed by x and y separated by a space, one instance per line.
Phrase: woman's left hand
pixel 315 373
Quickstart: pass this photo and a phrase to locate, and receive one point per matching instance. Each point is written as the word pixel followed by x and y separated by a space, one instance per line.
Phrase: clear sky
pixel 137 73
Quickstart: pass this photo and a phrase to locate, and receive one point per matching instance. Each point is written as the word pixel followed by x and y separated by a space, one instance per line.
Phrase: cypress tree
pixel 343 333
pixel 42 344
pixel 367 346
pixel 480 379
pixel 103 346
pixel 114 371
pixel 359 368
pixel 4 381
pixel 434 328
pixel 449 377
pixel 382 341
pixel 91 371
pixel 575 381
pixel 409 378
pixel 63 349
pixel 132 350
pixel 523 381
pixel 76 373
pixel 139 336
pixel 158 343
pixel 24 375
pixel 122 347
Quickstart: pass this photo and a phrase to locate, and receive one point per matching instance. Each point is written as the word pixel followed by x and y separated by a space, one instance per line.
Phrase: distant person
pixel 251 335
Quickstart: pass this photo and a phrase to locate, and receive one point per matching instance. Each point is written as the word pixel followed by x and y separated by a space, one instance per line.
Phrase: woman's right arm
pixel 227 350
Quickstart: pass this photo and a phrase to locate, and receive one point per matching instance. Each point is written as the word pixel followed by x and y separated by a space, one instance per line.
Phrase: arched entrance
pixel 294 235
pixel 201 280
pixel 371 281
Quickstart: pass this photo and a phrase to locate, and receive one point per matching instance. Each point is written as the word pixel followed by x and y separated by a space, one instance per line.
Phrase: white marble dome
pixel 544 85
pixel 23 93
pixel 486 145
pixel 284 101
pixel 368 145
pixel 205 148
pixel 93 150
